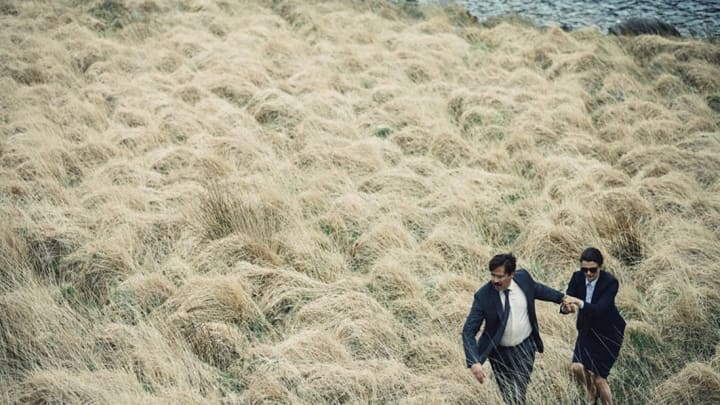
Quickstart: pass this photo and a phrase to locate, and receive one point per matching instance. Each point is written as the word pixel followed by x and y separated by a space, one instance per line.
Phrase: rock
pixel 639 26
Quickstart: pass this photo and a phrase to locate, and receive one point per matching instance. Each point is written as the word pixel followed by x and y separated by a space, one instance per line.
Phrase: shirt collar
pixel 513 285
pixel 592 283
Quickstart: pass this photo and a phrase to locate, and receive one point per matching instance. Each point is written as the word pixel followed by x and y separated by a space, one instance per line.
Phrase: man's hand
pixel 568 308
pixel 570 304
pixel 477 370
pixel 570 300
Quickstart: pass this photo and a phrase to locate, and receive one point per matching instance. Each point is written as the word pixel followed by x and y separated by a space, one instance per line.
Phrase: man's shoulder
pixel 484 290
pixel 522 275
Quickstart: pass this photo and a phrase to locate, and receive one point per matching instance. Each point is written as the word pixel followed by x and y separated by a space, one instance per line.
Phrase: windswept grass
pixel 294 201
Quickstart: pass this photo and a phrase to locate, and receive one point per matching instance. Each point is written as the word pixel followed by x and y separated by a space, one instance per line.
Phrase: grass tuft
pixel 294 201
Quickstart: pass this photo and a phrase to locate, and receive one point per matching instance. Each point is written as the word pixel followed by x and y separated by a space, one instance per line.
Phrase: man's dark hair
pixel 507 260
pixel 592 255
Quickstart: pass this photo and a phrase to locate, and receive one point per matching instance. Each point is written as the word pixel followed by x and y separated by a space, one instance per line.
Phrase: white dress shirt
pixel 589 290
pixel 518 326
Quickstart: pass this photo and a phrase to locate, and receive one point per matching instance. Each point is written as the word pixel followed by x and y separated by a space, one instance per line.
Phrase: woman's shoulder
pixel 608 275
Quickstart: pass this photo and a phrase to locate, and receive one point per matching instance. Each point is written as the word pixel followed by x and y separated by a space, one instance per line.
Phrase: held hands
pixel 570 304
pixel 569 299
pixel 477 370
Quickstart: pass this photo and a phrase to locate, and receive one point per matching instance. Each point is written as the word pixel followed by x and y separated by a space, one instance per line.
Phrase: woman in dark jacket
pixel 600 326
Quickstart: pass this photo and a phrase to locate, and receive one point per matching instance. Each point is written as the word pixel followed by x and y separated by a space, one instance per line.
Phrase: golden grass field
pixel 207 201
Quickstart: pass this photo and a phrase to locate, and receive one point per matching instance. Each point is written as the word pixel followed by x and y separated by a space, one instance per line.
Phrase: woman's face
pixel 591 270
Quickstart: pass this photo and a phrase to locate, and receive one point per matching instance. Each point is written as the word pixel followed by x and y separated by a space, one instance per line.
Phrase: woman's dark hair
pixel 591 254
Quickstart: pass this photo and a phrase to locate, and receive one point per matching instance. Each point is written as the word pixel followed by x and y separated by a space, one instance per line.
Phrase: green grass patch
pixel 509 233
pixel 643 361
pixel 112 13
pixel 713 101
pixel 383 132
pixel 230 383
pixel 412 10
pixel 539 273
pixel 511 199
pixel 8 9
pixel 75 299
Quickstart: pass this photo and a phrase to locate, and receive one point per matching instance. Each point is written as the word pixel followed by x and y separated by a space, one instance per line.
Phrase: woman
pixel 601 328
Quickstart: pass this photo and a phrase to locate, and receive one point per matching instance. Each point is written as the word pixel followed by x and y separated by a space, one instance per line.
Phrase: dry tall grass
pixel 294 201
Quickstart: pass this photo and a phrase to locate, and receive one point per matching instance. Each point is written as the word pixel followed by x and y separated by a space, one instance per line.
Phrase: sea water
pixel 695 18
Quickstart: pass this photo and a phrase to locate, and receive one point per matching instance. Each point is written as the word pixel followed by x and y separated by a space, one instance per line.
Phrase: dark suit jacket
pixel 601 315
pixel 487 308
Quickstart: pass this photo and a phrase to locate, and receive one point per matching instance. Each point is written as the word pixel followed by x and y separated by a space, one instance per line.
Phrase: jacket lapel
pixel 493 300
pixel 526 289
pixel 582 287
pixel 529 291
pixel 600 285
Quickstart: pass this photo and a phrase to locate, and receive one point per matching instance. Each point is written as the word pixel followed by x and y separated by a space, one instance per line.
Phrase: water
pixel 694 18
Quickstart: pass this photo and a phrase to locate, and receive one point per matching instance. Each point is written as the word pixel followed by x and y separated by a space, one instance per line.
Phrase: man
pixel 511 336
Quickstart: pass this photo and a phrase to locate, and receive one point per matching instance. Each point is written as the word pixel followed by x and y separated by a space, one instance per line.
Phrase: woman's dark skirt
pixel 597 352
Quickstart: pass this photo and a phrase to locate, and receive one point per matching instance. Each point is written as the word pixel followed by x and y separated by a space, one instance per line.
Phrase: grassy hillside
pixel 294 201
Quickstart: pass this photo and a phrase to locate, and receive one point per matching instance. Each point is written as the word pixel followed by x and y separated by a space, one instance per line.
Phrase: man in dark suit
pixel 511 335
pixel 601 328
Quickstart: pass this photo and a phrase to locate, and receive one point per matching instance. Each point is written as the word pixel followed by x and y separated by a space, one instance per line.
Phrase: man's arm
pixel 473 358
pixel 545 293
pixel 572 292
pixel 472 325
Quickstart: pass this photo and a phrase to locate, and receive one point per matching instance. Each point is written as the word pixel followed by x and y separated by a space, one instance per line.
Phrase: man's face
pixel 499 279
pixel 591 270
